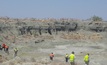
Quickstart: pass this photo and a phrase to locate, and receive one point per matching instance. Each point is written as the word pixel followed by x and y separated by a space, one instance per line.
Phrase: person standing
pixel 66 57
pixel 72 58
pixel 3 46
pixel 51 56
pixel 86 59
pixel 15 52
pixel 7 49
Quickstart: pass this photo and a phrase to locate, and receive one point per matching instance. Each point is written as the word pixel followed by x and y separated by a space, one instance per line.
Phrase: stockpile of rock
pixel 81 36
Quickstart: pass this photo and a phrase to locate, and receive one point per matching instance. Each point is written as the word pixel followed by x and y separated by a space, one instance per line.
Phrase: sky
pixel 79 9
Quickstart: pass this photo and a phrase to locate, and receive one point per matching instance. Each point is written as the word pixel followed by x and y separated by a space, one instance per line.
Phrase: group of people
pixel 6 49
pixel 71 58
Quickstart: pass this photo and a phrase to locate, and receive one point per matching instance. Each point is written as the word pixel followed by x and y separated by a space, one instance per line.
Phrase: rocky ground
pixel 36 50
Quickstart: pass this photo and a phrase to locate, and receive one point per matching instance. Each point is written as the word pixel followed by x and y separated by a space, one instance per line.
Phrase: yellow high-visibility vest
pixel 15 49
pixel 86 58
pixel 72 57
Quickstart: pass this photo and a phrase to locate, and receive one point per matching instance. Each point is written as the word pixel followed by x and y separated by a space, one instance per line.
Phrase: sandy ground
pixel 31 53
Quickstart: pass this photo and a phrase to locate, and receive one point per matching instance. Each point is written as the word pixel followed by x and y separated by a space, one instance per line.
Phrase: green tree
pixel 96 18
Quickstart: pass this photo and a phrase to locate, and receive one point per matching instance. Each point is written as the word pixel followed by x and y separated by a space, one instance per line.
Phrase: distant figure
pixel 72 58
pixel 51 56
pixel 86 59
pixel 3 46
pixel 7 49
pixel 66 57
pixel 15 52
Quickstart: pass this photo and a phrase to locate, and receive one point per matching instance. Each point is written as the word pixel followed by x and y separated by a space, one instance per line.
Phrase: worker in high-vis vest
pixel 86 59
pixel 72 58
pixel 66 57
pixel 15 52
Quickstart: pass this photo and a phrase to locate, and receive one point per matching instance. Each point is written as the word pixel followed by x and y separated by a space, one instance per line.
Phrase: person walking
pixel 86 59
pixel 3 46
pixel 15 52
pixel 66 57
pixel 7 49
pixel 72 58
pixel 51 56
